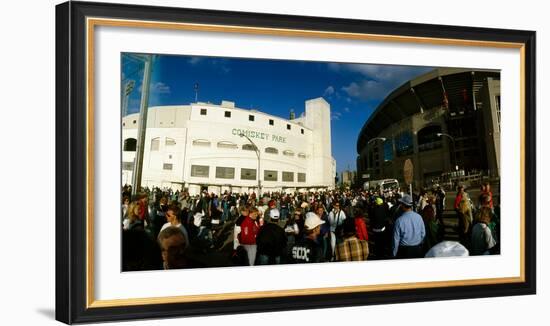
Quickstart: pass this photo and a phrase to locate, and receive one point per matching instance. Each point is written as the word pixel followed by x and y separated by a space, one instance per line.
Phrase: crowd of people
pixel 166 229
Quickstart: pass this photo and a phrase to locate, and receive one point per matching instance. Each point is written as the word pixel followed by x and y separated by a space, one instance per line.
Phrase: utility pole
pixel 142 126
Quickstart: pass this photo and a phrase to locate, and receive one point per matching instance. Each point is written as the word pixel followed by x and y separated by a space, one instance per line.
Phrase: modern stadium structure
pixel 447 122
pixel 203 146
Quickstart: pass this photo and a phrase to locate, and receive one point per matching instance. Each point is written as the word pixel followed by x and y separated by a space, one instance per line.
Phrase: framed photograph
pixel 212 162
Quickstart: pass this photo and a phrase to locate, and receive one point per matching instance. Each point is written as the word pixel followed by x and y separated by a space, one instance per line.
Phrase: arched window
pixel 130 144
pixel 249 147
pixel 201 142
pixel 227 144
pixel 288 153
pixel 428 138
pixel 155 144
pixel 170 141
pixel 272 150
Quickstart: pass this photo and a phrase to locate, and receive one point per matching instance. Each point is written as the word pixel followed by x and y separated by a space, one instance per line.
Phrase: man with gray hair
pixel 409 231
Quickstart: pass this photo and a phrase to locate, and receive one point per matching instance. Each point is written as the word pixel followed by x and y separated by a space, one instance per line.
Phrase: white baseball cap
pixel 274 213
pixel 312 221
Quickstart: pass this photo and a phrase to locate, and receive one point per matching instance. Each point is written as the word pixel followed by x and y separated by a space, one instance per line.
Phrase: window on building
pixel 271 122
pixel 288 176
pixel 155 144
pixel 404 143
pixel 134 122
pixel 270 175
pixel 428 138
pixel 301 155
pixel 271 150
pixel 302 131
pixel 227 144
pixel 167 166
pixel 288 127
pixel 201 171
pixel 248 174
pixel 249 147
pixel 130 145
pixel 128 166
pixel 251 118
pixel 170 141
pixel 301 177
pixel 388 150
pixel 201 142
pixel 225 172
pixel 288 153
pixel 228 114
pixel 203 111
pixel 124 124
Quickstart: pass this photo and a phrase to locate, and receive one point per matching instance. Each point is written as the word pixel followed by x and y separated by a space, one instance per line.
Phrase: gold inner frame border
pixel 92 22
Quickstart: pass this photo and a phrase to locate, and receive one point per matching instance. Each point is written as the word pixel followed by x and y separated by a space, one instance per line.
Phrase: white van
pixel 383 184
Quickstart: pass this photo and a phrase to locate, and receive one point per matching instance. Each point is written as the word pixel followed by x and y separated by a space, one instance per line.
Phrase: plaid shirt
pixel 352 249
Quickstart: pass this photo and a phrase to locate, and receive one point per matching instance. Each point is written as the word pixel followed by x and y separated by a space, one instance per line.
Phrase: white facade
pixel 198 146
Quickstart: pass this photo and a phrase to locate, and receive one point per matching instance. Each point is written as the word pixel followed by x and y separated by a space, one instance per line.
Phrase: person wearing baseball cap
pixel 308 250
pixel 409 231
pixel 271 240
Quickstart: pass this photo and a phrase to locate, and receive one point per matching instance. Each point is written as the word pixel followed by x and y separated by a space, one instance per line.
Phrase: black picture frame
pixel 72 298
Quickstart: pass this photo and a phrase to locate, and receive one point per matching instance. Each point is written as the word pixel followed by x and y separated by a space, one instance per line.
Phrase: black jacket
pixel 379 215
pixel 271 240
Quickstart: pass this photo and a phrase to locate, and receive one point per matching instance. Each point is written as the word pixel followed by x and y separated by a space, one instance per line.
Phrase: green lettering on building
pixel 258 135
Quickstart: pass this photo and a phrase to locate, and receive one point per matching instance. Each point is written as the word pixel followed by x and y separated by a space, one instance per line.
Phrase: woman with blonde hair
pixel 465 219
pixel 132 220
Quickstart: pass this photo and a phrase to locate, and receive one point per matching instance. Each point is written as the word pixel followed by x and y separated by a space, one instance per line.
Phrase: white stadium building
pixel 200 147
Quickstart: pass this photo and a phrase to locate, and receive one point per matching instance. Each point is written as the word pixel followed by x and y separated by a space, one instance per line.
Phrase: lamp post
pixel 257 150
pixel 383 139
pixel 440 134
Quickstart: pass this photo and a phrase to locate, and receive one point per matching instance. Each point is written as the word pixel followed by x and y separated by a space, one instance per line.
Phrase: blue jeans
pixel 265 260
pixel 284 214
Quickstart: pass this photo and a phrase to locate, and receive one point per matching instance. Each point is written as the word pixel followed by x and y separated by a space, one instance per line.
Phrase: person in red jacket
pixel 360 225
pixel 486 195
pixel 249 231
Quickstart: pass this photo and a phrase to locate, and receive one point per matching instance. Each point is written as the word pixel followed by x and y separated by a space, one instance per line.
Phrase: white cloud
pixel 375 81
pixel 367 90
pixel 336 115
pixel 329 91
pixel 346 109
pixel 160 88
pixel 194 60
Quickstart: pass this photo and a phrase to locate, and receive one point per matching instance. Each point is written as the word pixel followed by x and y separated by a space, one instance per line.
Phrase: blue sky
pixel 274 87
